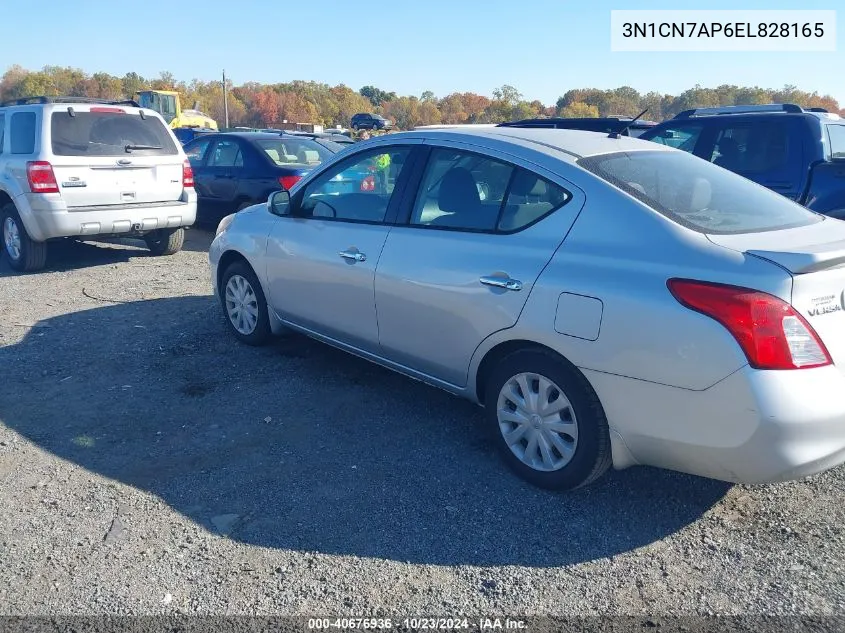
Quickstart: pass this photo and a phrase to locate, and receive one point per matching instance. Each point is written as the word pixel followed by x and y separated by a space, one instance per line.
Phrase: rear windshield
pixel 697 194
pixel 837 140
pixel 109 134
pixel 295 151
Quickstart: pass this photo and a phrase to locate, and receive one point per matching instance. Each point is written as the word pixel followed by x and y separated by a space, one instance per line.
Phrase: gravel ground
pixel 150 464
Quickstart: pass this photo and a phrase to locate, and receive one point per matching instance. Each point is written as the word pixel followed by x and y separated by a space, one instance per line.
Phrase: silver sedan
pixel 606 300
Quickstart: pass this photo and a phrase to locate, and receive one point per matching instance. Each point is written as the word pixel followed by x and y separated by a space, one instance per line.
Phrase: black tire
pixel 355 127
pixel 32 255
pixel 165 241
pixel 592 456
pixel 261 334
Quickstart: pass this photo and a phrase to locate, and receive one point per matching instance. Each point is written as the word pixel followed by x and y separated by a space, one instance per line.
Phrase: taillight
pixel 113 110
pixel 41 178
pixel 289 181
pixel 187 175
pixel 769 330
pixel 368 184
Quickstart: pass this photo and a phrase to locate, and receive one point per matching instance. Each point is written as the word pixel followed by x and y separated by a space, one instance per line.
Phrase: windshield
pixel 697 194
pixel 836 133
pixel 111 133
pixel 296 151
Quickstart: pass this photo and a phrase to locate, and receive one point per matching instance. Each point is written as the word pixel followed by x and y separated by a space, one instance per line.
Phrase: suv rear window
pixel 836 133
pixel 109 134
pixel 697 194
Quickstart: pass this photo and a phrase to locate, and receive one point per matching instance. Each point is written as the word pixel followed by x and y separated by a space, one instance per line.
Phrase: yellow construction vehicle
pixel 167 104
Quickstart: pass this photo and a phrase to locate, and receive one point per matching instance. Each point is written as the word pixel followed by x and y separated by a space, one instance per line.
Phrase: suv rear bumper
pixel 47 216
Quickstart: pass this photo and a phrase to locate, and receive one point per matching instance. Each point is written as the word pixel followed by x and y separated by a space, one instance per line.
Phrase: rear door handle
pixel 502 282
pixel 353 256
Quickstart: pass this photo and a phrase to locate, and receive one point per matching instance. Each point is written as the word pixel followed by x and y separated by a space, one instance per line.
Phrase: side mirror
pixel 279 203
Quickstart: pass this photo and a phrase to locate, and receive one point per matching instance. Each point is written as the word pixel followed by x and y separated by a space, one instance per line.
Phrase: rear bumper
pixel 47 216
pixel 752 427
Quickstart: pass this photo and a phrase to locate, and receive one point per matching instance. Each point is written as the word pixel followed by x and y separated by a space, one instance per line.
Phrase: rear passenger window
pixel 476 193
pixel 22 133
pixel 753 148
pixel 461 191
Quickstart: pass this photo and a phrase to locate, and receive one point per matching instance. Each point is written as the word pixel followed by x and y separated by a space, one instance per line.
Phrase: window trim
pixel 413 194
pixel 396 198
pixel 2 131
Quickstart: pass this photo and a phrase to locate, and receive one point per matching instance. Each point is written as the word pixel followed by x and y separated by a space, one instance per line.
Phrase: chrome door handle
pixel 502 282
pixel 353 255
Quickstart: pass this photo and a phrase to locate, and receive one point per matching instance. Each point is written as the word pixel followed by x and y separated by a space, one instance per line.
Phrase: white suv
pixel 72 167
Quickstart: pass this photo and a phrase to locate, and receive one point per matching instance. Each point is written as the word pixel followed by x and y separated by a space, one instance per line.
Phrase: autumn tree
pixel 579 110
pixel 375 95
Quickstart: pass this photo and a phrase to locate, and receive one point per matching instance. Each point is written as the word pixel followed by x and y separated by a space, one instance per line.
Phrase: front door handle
pixel 502 282
pixel 353 255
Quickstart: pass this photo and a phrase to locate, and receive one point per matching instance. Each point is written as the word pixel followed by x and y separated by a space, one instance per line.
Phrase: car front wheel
pixel 549 424
pixel 244 305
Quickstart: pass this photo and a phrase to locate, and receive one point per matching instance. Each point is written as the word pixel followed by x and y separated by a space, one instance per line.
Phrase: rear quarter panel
pixel 622 253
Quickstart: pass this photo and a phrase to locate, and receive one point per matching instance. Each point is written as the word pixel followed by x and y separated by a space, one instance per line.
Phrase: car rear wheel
pixel 244 305
pixel 549 424
pixel 165 241
pixel 24 253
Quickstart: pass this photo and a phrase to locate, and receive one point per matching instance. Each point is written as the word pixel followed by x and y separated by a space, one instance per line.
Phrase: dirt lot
pixel 149 464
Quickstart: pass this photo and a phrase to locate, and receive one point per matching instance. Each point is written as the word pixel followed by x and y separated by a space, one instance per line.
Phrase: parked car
pixel 602 124
pixel 607 300
pixel 369 121
pixel 186 134
pixel 74 167
pixel 797 153
pixel 234 170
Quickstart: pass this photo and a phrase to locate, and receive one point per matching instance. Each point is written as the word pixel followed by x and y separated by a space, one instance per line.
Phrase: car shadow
pixel 73 254
pixel 300 446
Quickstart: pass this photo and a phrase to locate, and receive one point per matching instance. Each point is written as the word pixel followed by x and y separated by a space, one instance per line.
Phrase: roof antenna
pixel 626 125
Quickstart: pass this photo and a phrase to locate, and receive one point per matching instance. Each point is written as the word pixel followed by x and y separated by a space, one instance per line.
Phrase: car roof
pixel 562 143
pixel 252 136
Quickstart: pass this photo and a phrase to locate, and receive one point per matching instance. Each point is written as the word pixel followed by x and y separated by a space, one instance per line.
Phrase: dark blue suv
pixel 795 152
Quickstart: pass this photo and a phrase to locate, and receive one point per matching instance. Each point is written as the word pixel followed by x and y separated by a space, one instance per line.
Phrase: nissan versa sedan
pixel 606 300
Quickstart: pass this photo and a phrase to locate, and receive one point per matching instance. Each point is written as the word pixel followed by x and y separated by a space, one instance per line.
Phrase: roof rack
pixel 742 109
pixel 43 99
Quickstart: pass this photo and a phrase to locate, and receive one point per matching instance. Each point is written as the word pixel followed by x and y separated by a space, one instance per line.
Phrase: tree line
pixel 265 105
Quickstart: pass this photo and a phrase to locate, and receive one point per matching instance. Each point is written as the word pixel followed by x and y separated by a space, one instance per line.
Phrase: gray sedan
pixel 606 300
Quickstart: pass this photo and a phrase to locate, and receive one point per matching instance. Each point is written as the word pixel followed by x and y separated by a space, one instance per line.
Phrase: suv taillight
pixel 187 175
pixel 39 174
pixel 769 330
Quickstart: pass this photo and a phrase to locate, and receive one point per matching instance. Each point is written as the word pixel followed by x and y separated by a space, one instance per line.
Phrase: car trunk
pixel 112 156
pixel 814 256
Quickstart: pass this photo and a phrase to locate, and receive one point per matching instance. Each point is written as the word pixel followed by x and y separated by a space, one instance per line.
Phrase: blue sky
pixel 543 48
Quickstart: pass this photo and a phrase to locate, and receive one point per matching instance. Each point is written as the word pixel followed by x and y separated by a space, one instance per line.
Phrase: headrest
pixel 527 184
pixel 458 191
